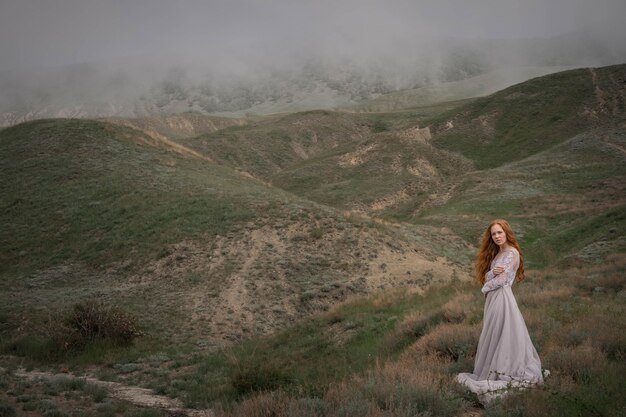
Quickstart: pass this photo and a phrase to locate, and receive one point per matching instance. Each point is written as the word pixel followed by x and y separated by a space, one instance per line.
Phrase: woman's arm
pixel 503 272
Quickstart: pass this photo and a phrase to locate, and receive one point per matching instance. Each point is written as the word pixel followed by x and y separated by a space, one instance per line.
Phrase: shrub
pixel 85 323
pixel 91 320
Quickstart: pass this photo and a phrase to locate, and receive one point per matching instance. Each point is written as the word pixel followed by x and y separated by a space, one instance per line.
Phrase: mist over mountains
pixel 72 58
pixel 236 84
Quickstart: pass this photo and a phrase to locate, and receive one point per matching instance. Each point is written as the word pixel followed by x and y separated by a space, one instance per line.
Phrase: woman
pixel 506 356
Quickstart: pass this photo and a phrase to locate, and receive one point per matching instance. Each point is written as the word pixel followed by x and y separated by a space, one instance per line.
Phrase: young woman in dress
pixel 505 356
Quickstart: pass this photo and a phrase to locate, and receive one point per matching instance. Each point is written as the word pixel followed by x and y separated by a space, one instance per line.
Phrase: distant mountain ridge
pixel 145 87
pixel 177 95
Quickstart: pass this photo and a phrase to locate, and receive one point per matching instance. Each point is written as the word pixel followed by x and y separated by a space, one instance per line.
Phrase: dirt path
pixel 138 396
pixel 600 95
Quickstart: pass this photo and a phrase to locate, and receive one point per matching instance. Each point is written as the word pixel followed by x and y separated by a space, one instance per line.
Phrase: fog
pixel 68 51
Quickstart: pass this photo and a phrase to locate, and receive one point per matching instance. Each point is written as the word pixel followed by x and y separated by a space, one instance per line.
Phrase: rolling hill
pixel 532 116
pixel 111 212
pixel 555 137
pixel 320 260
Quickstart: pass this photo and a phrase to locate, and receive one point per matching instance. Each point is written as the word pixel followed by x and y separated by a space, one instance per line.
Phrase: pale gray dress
pixel 506 356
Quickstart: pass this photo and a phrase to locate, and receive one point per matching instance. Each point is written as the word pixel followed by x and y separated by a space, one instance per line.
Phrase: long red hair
pixel 488 250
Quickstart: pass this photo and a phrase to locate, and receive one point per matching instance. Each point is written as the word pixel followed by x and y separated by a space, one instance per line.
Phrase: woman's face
pixel 498 235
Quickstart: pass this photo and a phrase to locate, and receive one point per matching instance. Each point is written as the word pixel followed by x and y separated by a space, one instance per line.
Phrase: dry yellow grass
pixel 449 340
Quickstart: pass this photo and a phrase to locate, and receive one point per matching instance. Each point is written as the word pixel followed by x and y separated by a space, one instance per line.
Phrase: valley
pixel 286 260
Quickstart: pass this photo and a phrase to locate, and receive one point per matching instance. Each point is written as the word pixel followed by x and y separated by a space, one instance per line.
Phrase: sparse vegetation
pixel 86 326
pixel 92 320
pixel 257 301
pixel 530 117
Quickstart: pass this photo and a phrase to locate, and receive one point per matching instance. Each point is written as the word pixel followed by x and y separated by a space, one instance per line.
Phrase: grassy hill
pixel 564 173
pixel 345 160
pixel 93 192
pixel 533 116
pixel 385 170
pixel 567 202
pixel 316 264
pixel 113 213
pixel 273 143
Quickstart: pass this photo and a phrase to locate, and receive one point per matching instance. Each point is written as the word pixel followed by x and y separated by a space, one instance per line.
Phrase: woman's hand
pixel 498 270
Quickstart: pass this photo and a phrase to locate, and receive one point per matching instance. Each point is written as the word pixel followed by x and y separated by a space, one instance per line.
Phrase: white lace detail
pixel 509 259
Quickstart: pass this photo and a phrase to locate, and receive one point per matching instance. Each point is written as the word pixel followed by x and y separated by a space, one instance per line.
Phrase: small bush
pixel 603 333
pixel 91 320
pixel 74 331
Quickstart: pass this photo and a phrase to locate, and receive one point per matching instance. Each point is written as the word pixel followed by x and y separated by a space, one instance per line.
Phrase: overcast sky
pixel 59 32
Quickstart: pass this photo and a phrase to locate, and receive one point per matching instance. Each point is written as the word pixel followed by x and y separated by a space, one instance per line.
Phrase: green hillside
pixel 386 170
pixel 265 147
pixel 318 263
pixel 568 202
pixel 310 154
pixel 567 185
pixel 92 192
pixel 533 116
pixel 96 207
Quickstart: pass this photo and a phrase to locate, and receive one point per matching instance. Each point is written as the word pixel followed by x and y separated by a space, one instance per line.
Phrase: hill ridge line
pixel 176 147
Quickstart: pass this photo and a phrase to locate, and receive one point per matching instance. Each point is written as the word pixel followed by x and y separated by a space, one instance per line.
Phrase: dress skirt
pixel 505 357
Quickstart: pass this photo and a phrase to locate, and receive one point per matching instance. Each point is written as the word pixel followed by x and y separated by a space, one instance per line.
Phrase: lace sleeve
pixel 510 262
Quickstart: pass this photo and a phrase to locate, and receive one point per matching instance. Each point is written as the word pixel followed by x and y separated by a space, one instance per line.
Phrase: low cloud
pixel 72 50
